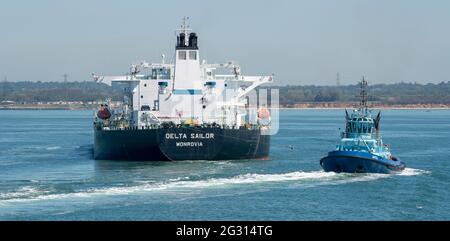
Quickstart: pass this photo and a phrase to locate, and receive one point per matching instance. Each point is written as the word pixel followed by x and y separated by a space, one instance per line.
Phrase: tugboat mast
pixel 363 95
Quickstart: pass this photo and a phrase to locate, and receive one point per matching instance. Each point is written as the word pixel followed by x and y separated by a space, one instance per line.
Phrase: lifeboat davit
pixel 104 113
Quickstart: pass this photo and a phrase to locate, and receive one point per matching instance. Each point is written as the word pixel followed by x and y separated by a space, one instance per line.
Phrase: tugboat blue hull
pixel 359 162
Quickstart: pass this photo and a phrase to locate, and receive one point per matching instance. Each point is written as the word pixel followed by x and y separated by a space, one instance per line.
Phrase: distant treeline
pixel 27 91
pixel 401 93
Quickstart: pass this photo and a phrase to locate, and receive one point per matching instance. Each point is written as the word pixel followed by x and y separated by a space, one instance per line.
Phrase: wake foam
pixel 306 179
pixel 412 172
pixel 26 192
pixel 52 148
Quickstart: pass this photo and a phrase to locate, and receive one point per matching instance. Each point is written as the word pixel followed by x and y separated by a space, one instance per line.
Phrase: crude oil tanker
pixel 183 110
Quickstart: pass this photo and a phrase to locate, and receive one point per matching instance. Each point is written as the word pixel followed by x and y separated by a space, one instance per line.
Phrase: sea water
pixel 47 173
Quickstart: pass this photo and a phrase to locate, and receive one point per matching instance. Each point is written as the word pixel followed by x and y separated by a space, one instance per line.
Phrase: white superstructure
pixel 186 90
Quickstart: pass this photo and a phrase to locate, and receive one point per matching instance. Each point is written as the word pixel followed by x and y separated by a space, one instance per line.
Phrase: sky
pixel 301 42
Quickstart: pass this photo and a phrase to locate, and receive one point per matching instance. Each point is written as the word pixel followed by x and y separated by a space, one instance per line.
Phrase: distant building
pixel 7 102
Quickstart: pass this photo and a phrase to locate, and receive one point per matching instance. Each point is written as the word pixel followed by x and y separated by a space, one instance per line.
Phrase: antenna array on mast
pixel 363 93
pixel 185 28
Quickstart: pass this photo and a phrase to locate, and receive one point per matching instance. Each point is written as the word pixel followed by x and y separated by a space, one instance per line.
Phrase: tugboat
pixel 183 110
pixel 361 149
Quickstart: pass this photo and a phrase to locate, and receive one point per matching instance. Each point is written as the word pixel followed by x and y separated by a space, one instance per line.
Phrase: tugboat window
pixel 182 55
pixel 193 55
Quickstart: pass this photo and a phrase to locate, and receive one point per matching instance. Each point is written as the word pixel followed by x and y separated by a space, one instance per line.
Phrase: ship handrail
pixel 365 143
pixel 248 126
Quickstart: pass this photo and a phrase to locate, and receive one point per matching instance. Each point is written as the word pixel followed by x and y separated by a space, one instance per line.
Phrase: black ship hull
pixel 182 143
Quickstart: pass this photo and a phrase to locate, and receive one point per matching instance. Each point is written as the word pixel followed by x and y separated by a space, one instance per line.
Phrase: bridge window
pixel 182 55
pixel 193 55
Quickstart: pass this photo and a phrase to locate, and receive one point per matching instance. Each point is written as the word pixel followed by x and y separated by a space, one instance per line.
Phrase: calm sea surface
pixel 47 173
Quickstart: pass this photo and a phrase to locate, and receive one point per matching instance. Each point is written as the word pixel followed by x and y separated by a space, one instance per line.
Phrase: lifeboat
pixel 104 112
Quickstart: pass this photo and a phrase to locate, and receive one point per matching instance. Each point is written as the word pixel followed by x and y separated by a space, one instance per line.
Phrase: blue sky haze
pixel 302 42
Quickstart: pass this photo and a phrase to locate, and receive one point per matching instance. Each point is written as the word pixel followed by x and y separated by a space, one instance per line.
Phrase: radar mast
pixel 363 95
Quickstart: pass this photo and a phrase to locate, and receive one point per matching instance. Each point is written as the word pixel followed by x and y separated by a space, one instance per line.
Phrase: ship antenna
pixel 363 94
pixel 185 28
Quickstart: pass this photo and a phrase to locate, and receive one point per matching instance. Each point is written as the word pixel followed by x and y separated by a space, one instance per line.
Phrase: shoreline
pixel 375 108
pixel 394 107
